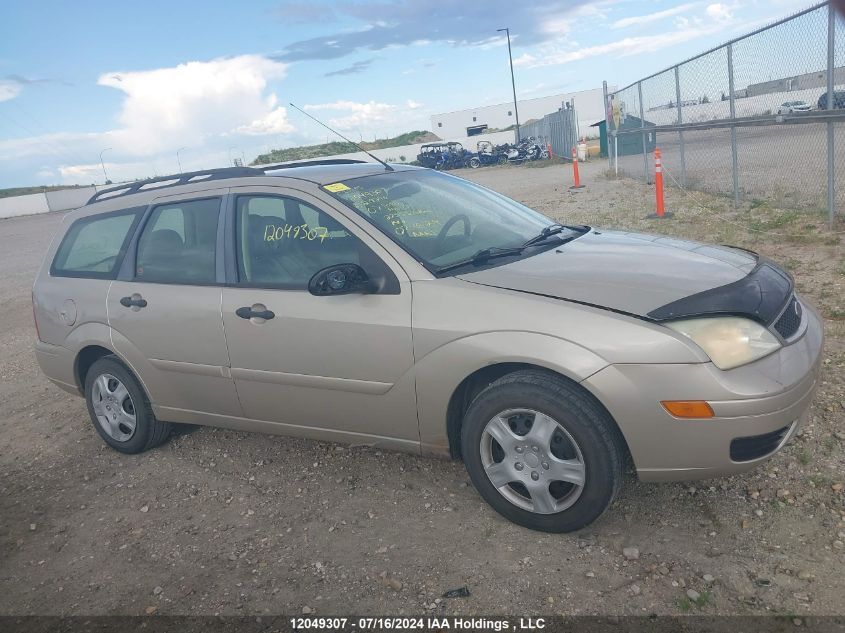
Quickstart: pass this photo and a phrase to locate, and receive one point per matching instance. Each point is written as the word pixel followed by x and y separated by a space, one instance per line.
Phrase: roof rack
pixel 220 173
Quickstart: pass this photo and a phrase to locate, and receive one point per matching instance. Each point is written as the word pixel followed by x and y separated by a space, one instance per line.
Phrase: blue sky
pixel 212 79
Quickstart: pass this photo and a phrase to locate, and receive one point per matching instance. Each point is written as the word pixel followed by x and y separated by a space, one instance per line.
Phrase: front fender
pixel 441 371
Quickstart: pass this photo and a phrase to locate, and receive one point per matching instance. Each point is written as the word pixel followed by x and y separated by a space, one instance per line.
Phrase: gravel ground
pixel 220 522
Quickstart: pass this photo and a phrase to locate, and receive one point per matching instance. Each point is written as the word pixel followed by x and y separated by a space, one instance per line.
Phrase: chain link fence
pixel 751 119
pixel 558 128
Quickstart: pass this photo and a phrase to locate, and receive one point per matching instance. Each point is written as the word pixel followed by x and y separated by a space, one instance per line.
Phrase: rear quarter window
pixel 94 246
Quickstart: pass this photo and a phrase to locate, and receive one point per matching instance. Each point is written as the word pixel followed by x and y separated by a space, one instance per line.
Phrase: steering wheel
pixel 441 237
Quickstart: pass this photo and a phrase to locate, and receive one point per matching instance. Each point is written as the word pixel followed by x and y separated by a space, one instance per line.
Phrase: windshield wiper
pixel 482 256
pixel 552 229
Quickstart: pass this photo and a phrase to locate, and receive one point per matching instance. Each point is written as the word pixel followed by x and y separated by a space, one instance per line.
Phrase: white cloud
pixel 9 89
pixel 413 105
pixel 716 19
pixel 275 122
pixel 359 114
pixel 638 20
pixel 189 103
pixel 720 12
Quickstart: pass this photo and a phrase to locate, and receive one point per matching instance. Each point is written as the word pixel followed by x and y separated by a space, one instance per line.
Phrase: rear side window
pixel 94 246
pixel 179 243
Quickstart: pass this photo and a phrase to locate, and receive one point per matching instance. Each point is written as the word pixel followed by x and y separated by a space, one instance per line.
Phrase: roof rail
pixel 162 182
pixel 172 181
pixel 310 163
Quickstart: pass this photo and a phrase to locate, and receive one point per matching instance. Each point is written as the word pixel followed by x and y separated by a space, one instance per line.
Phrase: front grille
pixel 744 449
pixel 790 320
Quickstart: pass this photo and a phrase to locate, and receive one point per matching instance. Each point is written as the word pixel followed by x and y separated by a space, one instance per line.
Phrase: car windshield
pixel 442 220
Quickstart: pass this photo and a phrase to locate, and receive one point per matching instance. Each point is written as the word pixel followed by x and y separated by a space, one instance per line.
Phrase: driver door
pixel 329 367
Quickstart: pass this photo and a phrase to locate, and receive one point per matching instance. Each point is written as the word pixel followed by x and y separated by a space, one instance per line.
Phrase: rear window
pixel 94 246
pixel 179 242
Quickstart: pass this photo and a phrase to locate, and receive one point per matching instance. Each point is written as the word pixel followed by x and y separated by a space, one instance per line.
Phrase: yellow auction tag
pixel 336 187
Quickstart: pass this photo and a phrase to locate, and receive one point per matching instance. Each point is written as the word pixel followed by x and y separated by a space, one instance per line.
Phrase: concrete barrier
pixel 23 205
pixel 65 199
pixel 60 200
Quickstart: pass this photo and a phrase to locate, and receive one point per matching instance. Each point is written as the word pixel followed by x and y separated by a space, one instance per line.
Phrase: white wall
pixel 23 205
pixel 410 151
pixel 67 199
pixel 61 200
pixel 589 105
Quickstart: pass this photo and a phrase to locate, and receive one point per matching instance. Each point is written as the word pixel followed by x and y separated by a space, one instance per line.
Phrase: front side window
pixel 179 243
pixel 440 219
pixel 94 246
pixel 283 242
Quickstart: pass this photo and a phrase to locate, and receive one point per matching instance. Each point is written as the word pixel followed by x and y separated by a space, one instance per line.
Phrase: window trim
pixel 234 252
pixel 129 271
pixel 138 212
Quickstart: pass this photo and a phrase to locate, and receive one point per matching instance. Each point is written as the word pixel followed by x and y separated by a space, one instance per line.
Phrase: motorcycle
pixel 487 154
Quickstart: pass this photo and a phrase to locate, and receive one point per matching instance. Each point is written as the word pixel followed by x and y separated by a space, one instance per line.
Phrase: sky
pixel 144 89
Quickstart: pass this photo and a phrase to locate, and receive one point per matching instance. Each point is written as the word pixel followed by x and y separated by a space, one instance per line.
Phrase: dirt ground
pixel 220 522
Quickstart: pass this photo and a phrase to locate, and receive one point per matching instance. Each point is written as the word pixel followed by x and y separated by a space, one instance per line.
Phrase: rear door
pixel 334 367
pixel 164 308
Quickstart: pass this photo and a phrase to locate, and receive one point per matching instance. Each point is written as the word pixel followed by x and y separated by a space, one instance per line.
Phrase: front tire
pixel 542 452
pixel 120 410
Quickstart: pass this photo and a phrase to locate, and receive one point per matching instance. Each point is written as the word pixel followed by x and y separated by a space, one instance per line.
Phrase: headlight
pixel 728 341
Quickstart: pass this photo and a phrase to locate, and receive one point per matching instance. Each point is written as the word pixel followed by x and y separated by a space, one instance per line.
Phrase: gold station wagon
pixel 410 309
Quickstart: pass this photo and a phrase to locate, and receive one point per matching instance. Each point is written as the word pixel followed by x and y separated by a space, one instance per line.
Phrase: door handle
pixel 247 312
pixel 129 302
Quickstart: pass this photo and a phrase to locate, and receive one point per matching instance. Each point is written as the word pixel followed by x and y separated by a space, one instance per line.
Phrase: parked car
pixel 790 107
pixel 838 100
pixel 408 309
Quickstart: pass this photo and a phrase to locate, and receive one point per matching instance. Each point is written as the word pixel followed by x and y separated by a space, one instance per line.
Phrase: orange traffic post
pixel 549 149
pixel 660 211
pixel 575 174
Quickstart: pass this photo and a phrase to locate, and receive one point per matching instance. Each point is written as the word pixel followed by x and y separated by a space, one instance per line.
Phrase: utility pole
pixel 513 81
pixel 103 165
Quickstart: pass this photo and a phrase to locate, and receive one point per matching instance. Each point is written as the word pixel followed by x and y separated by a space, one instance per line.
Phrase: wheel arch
pixel 86 357
pixel 477 381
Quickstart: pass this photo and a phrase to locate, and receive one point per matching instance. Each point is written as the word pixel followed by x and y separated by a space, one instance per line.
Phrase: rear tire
pixel 548 446
pixel 120 410
pixel 474 163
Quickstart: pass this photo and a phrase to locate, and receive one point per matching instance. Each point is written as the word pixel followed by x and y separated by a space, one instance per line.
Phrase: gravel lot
pixel 220 522
pixel 782 162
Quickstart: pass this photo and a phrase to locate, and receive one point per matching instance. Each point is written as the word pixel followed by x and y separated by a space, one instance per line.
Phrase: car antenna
pixel 373 156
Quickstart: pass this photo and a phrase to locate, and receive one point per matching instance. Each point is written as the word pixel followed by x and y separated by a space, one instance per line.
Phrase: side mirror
pixel 340 279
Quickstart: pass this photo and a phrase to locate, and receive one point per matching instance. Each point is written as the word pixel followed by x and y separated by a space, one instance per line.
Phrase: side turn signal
pixel 688 408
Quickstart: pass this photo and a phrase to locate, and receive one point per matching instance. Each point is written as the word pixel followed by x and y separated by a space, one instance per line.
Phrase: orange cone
pixel 576 176
pixel 660 211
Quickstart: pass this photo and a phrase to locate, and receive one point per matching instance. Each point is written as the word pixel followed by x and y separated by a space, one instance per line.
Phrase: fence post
pixel 680 121
pixel 732 101
pixel 831 161
pixel 642 124
pixel 605 104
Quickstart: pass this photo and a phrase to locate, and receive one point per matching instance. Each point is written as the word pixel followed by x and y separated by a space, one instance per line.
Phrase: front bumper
pixel 770 395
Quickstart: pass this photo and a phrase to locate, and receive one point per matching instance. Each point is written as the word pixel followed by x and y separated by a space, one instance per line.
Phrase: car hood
pixel 634 273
